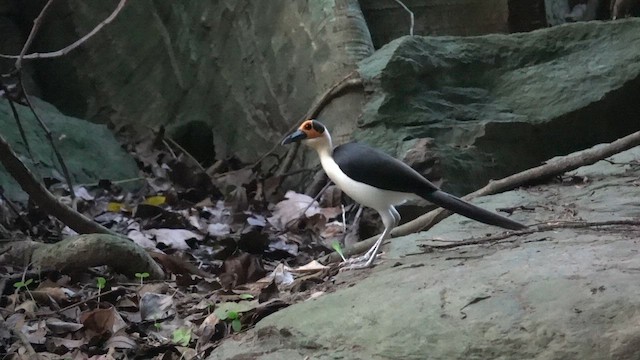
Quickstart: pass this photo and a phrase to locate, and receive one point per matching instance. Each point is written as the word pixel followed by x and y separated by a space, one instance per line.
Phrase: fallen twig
pixel 41 196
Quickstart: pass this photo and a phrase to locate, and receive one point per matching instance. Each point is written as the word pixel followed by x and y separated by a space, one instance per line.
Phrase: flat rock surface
pixel 564 294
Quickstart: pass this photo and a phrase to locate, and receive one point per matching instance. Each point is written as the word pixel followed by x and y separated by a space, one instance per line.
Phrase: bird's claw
pixel 360 262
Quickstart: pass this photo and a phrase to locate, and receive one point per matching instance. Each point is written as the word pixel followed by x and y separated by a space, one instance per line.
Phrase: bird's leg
pixel 390 221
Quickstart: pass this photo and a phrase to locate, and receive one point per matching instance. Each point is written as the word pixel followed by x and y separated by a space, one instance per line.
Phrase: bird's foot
pixel 360 262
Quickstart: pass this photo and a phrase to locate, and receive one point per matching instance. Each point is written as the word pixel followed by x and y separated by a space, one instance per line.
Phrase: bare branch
pixel 43 197
pixel 74 45
pixel 352 80
pixel 34 30
pixel 49 136
pixel 410 15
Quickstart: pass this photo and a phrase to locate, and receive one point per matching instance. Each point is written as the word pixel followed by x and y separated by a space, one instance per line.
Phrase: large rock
pixel 497 104
pixel 566 294
pixel 248 69
pixel 90 151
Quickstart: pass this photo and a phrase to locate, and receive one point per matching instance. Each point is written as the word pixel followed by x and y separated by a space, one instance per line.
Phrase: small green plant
pixel 24 284
pixel 231 312
pixel 142 276
pixel 157 325
pixel 234 317
pixel 336 246
pixel 246 296
pixel 236 325
pixel 100 283
pixel 182 336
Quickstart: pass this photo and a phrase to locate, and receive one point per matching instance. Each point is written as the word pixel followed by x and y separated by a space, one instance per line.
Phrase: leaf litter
pixel 235 248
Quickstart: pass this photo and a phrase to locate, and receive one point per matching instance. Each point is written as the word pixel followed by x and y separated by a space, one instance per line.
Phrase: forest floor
pixel 228 253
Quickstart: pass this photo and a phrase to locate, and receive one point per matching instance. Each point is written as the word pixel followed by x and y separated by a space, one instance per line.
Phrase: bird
pixel 379 181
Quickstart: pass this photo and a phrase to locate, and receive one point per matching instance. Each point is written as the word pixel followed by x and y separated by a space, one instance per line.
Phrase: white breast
pixel 362 193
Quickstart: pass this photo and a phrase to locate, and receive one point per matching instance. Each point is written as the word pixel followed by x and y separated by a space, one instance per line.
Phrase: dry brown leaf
pixel 211 320
pixel 157 288
pixel 280 275
pixel 292 208
pixel 28 308
pixel 121 340
pixel 57 326
pixel 243 268
pixel 69 344
pixel 141 239
pixel 57 294
pixel 101 321
pixel 310 267
pixel 36 332
pixel 156 306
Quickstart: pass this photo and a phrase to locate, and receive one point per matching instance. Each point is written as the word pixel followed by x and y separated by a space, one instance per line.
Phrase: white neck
pixel 322 145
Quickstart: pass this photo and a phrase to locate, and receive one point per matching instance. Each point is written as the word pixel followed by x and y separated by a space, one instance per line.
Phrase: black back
pixel 371 166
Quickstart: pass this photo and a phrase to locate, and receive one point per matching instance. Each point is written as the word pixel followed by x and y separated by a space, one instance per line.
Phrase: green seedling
pixel 100 283
pixel 231 312
pixel 336 246
pixel 236 325
pixel 24 285
pixel 246 296
pixel 182 336
pixel 142 276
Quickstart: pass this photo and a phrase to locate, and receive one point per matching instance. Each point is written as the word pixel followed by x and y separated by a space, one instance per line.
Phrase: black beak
pixel 294 137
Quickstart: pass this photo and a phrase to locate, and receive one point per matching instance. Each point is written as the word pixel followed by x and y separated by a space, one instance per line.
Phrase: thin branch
pixel 550 169
pixel 410 15
pixel 187 154
pixel 34 30
pixel 23 135
pixel 43 197
pixel 49 136
pixel 74 45
pixel 334 91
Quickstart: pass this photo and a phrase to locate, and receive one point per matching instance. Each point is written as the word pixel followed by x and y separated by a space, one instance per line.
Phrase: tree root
pixel 81 252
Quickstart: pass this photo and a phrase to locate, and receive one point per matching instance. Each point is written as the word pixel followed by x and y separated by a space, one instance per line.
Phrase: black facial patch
pixel 317 126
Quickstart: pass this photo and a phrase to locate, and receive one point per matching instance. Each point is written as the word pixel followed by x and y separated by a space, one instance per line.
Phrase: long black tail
pixel 471 211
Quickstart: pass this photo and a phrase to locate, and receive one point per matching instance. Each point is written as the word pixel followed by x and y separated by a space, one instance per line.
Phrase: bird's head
pixel 311 133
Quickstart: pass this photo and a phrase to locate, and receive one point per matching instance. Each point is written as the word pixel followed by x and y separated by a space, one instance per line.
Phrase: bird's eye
pixel 307 126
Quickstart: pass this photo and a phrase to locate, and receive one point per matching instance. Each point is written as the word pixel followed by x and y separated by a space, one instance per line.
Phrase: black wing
pixel 371 166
